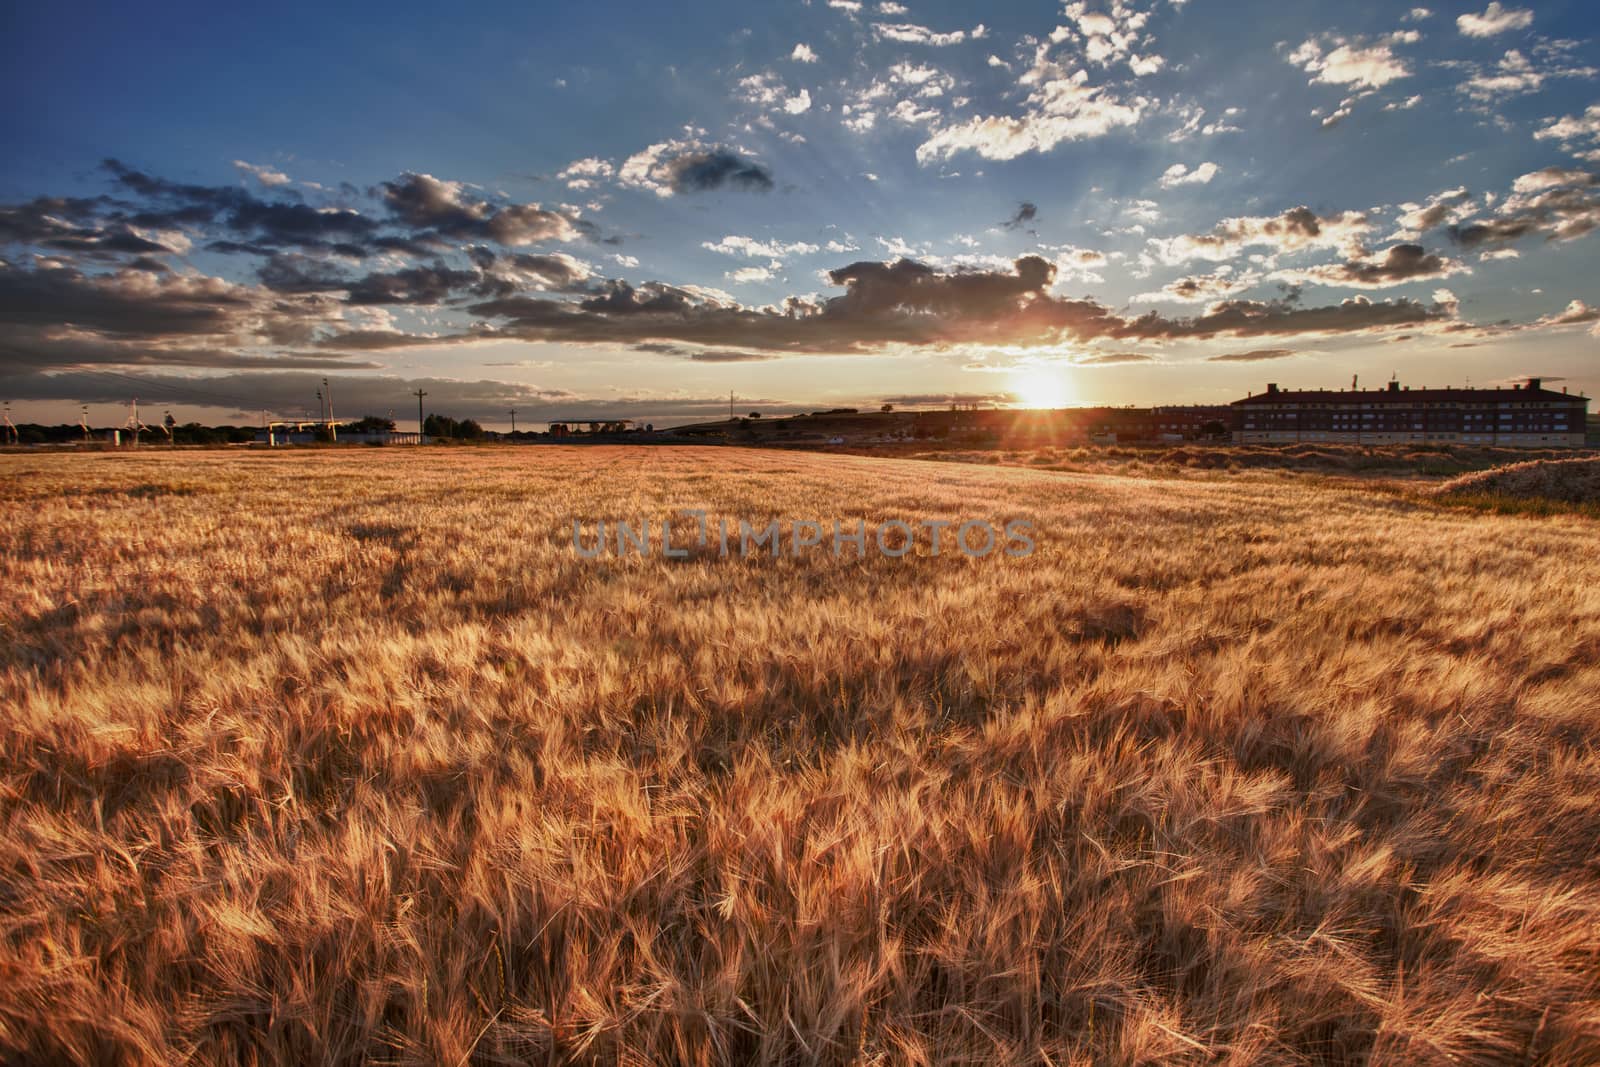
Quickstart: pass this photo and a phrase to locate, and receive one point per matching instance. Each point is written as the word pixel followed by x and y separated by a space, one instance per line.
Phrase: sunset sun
pixel 1042 387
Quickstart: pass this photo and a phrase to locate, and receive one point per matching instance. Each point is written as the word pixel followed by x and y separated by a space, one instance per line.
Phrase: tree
pixel 886 408
pixel 370 424
pixel 755 414
pixel 443 426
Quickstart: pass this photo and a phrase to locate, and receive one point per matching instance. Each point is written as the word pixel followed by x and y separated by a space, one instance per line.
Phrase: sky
pixel 636 210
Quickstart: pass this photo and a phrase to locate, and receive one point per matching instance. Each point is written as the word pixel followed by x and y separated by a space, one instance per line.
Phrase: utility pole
pixel 84 422
pixel 133 421
pixel 730 405
pixel 419 395
pixel 11 427
pixel 513 421
pixel 333 434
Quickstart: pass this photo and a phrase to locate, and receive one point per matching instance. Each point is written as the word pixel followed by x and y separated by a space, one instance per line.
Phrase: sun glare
pixel 1042 387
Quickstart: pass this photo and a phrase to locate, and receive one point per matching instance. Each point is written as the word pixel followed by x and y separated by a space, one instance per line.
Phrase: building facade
pixel 1526 415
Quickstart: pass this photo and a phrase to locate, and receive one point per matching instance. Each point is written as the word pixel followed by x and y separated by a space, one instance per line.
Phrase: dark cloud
pixel 425 202
pixel 907 303
pixel 1256 356
pixel 1026 213
pixel 1559 212
pixel 704 170
pixel 242 397
pixel 1400 264
pixel 413 285
pixel 129 304
pixel 263 223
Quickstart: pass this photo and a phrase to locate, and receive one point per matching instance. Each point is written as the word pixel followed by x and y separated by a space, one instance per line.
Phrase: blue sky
pixel 638 208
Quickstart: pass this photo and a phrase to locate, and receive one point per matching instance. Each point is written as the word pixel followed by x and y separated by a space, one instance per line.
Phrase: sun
pixel 1042 387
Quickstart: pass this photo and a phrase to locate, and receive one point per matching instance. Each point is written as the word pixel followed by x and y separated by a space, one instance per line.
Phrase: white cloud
pixel 1180 174
pixel 1060 106
pixel 265 175
pixel 1515 74
pixel 1551 178
pixel 1574 130
pixel 1293 231
pixel 749 274
pixel 803 54
pixel 1494 20
pixel 798 103
pixel 1203 288
pixel 910 33
pixel 1364 66
pixel 735 245
pixel 851 7
pixel 1451 205
pixel 584 173
pixel 1109 37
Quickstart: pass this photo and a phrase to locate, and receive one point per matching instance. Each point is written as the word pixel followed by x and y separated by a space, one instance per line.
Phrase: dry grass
pixel 1552 481
pixel 1203 461
pixel 341 758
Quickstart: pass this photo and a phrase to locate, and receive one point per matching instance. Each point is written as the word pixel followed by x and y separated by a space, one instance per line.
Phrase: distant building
pixel 1522 415
pixel 310 431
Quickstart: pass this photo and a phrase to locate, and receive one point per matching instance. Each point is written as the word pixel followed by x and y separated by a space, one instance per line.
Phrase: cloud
pixel 1558 204
pixel 803 54
pixel 585 173
pixel 1061 106
pixel 1200 288
pixel 735 245
pixel 1452 205
pixel 1256 356
pixel 1112 359
pixel 262 223
pixel 1494 20
pixel 1109 37
pixel 1296 229
pixel 1552 178
pixel 1026 212
pixel 426 202
pixel 1401 264
pixel 1577 313
pixel 1180 174
pixel 690 167
pixel 1574 130
pixel 904 303
pixel 705 355
pixel 910 33
pixel 1515 75
pixel 750 274
pixel 60 316
pixel 939 400
pixel 265 175
pixel 245 395
pixel 1341 61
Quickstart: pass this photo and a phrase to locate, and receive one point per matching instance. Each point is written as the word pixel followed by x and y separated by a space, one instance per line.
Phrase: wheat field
pixel 348 757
